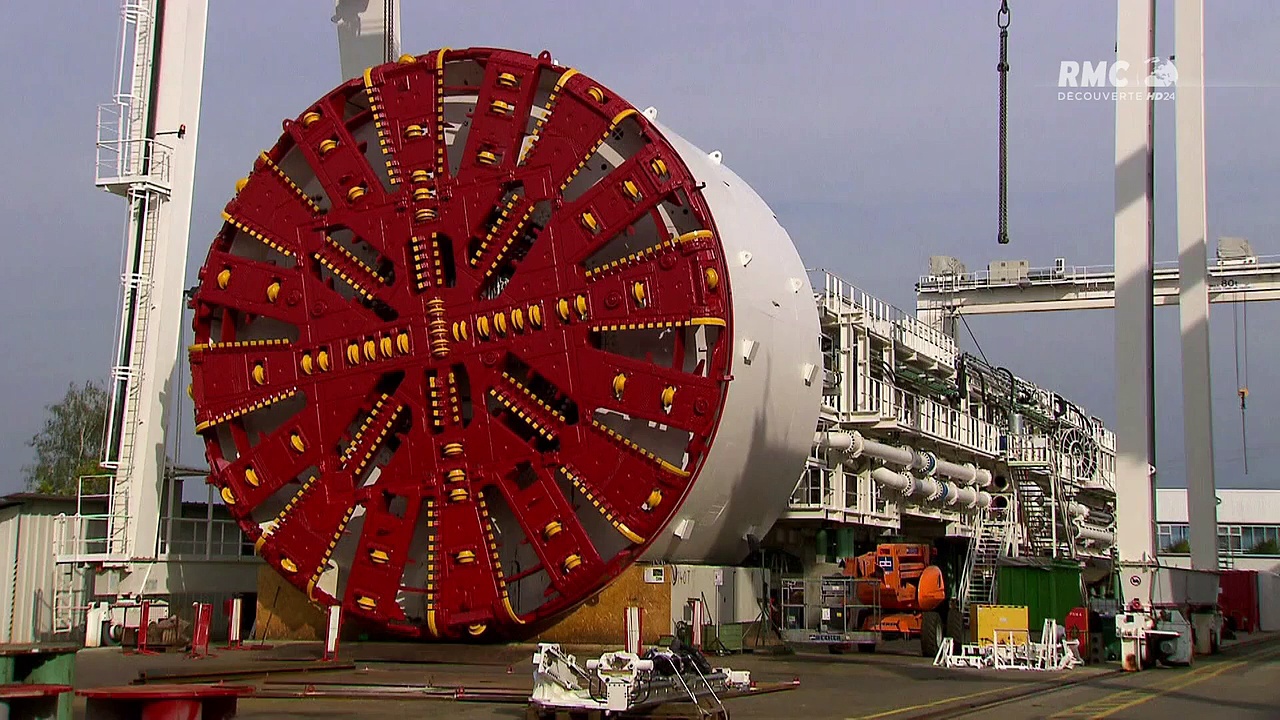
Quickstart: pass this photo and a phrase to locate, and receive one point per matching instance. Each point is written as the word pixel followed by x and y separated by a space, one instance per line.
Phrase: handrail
pixel 837 294
pixel 1077 274
pixel 121 158
pixel 927 416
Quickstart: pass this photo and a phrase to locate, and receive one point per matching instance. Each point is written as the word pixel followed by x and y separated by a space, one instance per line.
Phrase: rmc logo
pixel 1159 73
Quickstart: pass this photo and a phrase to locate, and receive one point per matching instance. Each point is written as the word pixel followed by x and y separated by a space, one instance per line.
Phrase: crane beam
pixel 1082 288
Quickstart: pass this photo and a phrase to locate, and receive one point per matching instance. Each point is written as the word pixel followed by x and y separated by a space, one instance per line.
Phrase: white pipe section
pixel 923 462
pixel 931 489
pixel 1096 534
pixel 894 481
pixel 845 442
pixel 901 456
pixel 1083 512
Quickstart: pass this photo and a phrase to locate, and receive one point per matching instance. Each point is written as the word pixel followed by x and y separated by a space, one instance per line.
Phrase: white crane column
pixel 1135 367
pixel 1193 301
pixel 155 142
pixel 1193 295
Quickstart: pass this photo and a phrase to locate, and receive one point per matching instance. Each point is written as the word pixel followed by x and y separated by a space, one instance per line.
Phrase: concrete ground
pixel 895 684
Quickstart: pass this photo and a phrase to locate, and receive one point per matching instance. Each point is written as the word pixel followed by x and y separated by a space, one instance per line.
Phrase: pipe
pixel 894 481
pixel 1099 536
pixel 845 442
pixel 931 490
pixel 902 456
pixel 1084 512
pixel 908 458
pixel 967 474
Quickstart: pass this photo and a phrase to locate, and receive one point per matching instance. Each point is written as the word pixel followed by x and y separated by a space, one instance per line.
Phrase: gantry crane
pixel 1134 287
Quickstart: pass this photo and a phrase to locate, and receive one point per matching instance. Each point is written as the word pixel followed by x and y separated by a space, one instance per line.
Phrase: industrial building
pixel 1248 528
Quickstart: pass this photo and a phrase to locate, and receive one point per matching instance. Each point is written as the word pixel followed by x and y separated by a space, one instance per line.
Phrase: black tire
pixel 866 647
pixel 836 649
pixel 955 624
pixel 930 634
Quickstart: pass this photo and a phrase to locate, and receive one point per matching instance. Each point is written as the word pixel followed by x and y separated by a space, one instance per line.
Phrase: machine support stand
pixel 1204 626
pixel 332 631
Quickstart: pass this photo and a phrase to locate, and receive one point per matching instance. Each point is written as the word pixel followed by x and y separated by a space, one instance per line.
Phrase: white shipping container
pixel 1268 601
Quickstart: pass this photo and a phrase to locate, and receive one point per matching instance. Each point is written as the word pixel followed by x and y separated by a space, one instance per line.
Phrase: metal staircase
pixel 1035 508
pixel 990 543
pixel 1226 558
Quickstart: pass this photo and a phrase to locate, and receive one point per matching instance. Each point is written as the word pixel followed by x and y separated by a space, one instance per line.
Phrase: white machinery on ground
pixel 623 681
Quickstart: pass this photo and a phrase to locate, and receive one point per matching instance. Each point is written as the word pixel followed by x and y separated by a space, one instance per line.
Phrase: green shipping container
pixel 1049 589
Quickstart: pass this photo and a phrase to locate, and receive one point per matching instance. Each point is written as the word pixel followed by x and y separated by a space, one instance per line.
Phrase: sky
pixel 869 127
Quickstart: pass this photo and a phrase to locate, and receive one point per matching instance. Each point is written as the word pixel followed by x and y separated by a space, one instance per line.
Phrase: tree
pixel 1266 547
pixel 70 444
pixel 1182 547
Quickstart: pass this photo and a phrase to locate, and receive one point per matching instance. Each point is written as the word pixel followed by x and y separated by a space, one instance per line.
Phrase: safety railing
pixel 1042 450
pixel 814 490
pixel 823 489
pixel 1030 449
pixel 86 535
pixel 829 611
pixel 887 320
pixel 928 417
pixel 1067 275
pixel 121 160
pixel 1005 277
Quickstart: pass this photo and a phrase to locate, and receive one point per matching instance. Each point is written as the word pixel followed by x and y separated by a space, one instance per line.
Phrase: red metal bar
pixel 201 629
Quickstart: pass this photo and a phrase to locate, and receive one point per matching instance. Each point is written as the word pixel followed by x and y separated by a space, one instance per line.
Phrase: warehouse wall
pixel 27 579
pixel 285 613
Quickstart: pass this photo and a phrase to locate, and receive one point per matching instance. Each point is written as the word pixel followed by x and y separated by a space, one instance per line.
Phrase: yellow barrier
pixel 1009 620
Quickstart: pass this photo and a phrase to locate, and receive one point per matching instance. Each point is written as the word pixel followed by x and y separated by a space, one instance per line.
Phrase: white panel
pixel 770 412
pixel 26 542
pixel 1171 506
pixel 1268 601
pixel 175 103
pixel 1193 301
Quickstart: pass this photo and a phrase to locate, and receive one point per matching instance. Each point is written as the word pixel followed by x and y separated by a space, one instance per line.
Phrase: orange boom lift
pixel 912 595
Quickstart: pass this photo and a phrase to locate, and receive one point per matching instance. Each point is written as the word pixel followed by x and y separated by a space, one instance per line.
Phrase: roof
pixel 23 498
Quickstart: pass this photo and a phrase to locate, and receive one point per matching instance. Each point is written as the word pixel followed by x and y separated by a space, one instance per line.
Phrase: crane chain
pixel 1002 22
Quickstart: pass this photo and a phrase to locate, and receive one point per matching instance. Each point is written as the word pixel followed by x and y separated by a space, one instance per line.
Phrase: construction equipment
pixel 623 681
pixel 477 334
pixel 912 595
